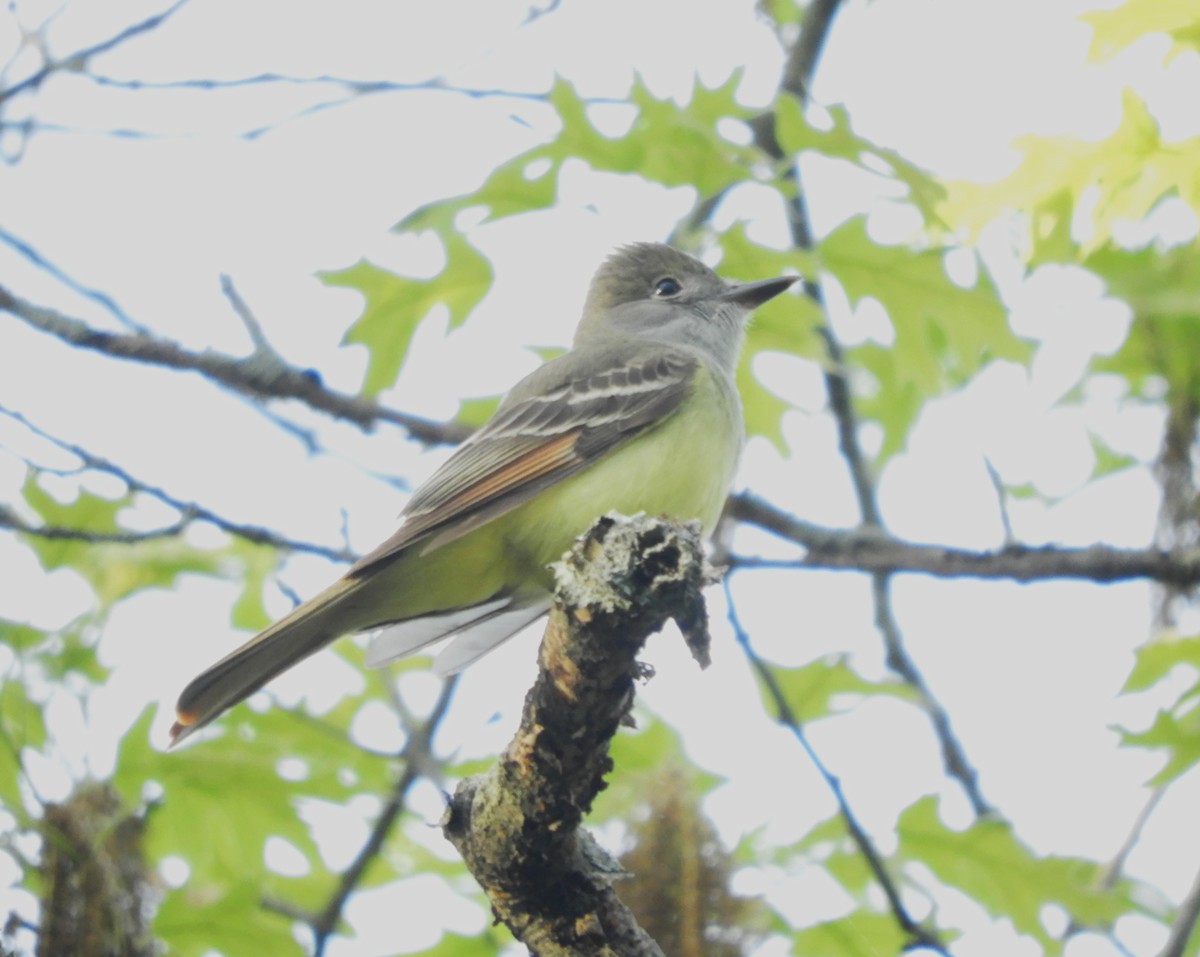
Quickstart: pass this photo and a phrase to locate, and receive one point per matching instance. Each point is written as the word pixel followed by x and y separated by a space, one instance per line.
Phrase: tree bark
pixel 517 826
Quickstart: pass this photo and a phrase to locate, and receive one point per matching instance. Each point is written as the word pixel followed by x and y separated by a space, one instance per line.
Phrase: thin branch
pixel 97 296
pixel 806 51
pixel 190 511
pixel 353 90
pixel 418 760
pixel 1001 501
pixel 25 128
pixel 357 87
pixel 1113 870
pixel 1184 924
pixel 266 355
pixel 701 212
pixel 10 520
pixel 1116 867
pixel 536 13
pixel 77 60
pixel 16 922
pixel 305 436
pixel 919 936
pixel 285 908
pixel 797 80
pixel 417 757
pixel 875 550
pixel 249 320
pixel 954 757
pixel 250 376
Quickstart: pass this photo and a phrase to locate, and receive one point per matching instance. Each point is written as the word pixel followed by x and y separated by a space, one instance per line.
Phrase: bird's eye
pixel 667 287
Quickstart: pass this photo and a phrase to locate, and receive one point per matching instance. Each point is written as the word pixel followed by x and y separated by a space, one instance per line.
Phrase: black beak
pixel 751 294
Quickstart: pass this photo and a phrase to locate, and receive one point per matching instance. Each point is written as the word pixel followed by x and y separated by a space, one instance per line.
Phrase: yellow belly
pixel 682 469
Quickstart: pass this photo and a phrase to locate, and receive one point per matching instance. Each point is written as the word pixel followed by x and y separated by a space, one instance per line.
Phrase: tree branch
pixel 13 522
pixel 97 296
pixel 1184 923
pixel 97 887
pixel 260 375
pixel 79 58
pixel 517 827
pixel 802 61
pixel 1113 871
pixel 797 80
pixel 417 758
pixel 354 89
pixel 189 511
pixel 869 549
pixel 919 936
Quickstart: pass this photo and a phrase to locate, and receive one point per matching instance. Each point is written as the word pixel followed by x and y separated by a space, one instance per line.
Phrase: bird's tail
pixel 307 629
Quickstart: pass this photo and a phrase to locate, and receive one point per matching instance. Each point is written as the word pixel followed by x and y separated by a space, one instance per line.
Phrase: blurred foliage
pixel 680 874
pixel 1175 732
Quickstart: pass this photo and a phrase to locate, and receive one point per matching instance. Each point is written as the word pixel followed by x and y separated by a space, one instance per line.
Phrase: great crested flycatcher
pixel 641 415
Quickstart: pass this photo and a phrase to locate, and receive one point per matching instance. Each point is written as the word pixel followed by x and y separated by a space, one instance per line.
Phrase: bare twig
pixel 876 550
pixel 102 299
pixel 305 436
pixel 13 522
pixel 249 320
pixel 267 357
pixel 351 90
pixel 536 13
pixel 919 936
pixel 189 511
pixel 78 59
pixel 417 757
pixel 1113 870
pixel 1001 501
pixel 349 84
pixel 1115 867
pixel 1184 924
pixel 802 61
pixel 797 80
pixel 701 212
pixel 247 376
pixel 418 760
pixel 954 758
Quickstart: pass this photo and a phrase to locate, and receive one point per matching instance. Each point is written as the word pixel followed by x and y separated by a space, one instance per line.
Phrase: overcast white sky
pixel 1029 674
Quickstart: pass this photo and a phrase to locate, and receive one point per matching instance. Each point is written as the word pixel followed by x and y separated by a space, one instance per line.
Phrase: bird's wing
pixel 564 416
pixel 477 631
pixel 554 422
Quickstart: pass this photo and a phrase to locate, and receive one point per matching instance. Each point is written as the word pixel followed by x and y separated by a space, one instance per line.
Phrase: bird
pixel 641 414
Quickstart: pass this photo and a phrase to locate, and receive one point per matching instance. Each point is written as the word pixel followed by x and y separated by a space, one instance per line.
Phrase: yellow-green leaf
pixel 395 305
pixel 1119 26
